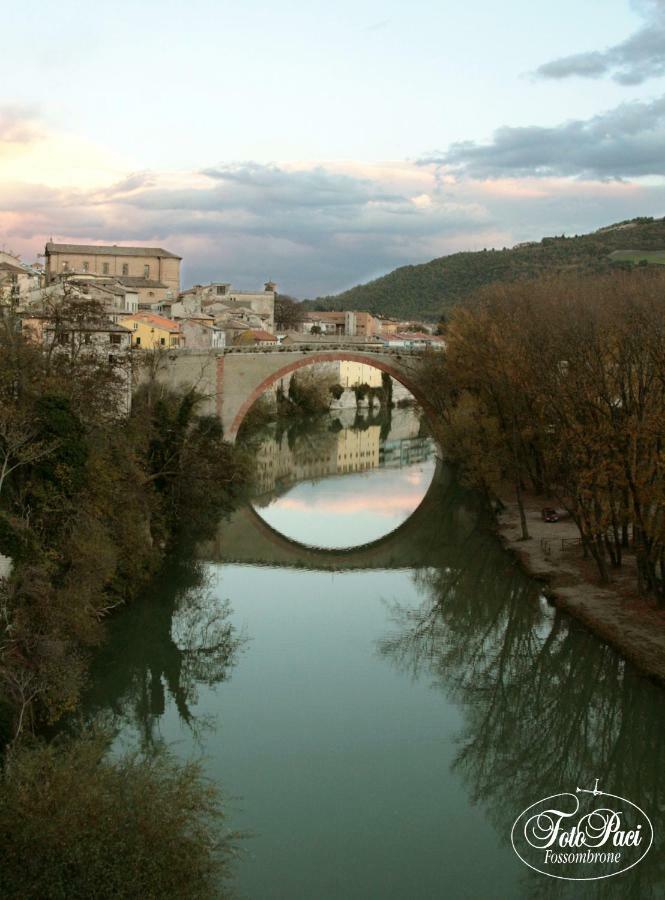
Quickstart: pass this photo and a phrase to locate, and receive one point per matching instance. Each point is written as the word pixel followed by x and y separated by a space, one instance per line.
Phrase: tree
pixel 288 312
pixel 560 384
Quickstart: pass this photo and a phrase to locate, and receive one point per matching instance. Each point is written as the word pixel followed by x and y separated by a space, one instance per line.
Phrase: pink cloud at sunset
pixel 396 505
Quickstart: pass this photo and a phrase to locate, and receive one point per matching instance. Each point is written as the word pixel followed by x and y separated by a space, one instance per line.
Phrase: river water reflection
pixel 347 482
pixel 378 717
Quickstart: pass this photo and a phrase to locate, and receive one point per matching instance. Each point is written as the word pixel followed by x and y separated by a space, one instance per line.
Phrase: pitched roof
pixel 109 250
pixel 235 324
pixel 13 270
pixel 138 281
pixel 155 320
pixel 259 335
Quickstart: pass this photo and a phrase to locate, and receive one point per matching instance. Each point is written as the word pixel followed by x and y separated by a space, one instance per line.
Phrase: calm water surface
pixel 377 687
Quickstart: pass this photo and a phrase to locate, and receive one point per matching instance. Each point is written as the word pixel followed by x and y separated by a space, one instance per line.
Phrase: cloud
pixel 640 57
pixel 625 142
pixel 314 228
pixel 18 125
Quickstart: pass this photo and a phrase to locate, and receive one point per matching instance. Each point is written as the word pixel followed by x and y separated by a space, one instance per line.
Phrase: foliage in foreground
pixel 89 499
pixel 74 824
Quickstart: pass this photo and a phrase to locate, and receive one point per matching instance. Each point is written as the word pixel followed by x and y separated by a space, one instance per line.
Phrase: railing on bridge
pixel 322 348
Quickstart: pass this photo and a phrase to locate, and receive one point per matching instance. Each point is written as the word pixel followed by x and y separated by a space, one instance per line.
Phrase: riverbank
pixel 633 625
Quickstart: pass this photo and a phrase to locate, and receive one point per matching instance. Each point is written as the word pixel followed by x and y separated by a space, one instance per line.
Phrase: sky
pixel 320 145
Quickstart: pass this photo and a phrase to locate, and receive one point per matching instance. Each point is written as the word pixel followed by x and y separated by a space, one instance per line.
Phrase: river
pixel 375 683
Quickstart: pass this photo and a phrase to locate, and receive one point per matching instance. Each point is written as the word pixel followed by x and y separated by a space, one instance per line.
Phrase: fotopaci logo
pixel 582 836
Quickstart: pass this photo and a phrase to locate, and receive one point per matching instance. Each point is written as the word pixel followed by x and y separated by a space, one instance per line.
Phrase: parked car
pixel 550 515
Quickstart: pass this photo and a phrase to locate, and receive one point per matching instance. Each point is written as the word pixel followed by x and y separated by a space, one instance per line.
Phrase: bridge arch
pixel 311 359
pixel 246 538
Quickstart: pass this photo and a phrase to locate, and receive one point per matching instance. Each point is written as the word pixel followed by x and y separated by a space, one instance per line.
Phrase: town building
pixel 114 297
pixel 414 340
pixel 16 278
pixel 256 337
pixel 352 374
pixel 154 273
pixel 231 301
pixel 98 337
pixel 348 322
pixel 201 333
pixel 152 332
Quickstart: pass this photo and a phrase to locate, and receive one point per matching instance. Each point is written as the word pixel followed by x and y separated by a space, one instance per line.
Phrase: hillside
pixel 428 290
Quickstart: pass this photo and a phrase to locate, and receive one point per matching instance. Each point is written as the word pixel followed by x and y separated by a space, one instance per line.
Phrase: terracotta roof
pixel 155 320
pixel 260 335
pixel 109 250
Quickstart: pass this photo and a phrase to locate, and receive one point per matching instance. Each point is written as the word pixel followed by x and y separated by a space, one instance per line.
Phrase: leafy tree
pixel 288 312
pixel 559 385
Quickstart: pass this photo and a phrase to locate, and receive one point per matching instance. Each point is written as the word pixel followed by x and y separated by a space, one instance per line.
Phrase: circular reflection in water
pixel 341 485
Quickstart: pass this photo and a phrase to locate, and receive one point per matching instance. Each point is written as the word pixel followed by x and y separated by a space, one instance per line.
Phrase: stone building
pixel 152 271
pixel 346 322
pixel 222 296
pixel 99 337
pixel 16 278
pixel 116 298
pixel 201 333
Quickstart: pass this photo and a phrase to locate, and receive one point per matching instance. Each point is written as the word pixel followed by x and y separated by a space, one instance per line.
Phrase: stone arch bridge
pixel 232 380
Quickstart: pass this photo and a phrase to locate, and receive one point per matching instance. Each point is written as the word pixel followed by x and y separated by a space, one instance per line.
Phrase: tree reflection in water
pixel 175 639
pixel 547 706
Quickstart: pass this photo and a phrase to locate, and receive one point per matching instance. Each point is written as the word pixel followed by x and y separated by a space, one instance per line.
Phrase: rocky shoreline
pixel 616 613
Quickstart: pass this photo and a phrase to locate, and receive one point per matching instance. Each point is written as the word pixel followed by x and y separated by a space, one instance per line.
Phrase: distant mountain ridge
pixel 430 289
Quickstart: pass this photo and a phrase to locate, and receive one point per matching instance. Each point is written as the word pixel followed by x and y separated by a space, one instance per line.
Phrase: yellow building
pixel 358 449
pixel 150 332
pixel 354 373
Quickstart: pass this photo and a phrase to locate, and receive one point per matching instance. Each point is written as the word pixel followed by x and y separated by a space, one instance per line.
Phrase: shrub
pixel 74 824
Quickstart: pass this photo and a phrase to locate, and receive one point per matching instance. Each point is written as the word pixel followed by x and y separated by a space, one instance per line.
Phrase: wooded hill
pixel 430 289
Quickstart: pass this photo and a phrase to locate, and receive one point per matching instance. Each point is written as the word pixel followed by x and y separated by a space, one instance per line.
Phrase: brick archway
pixel 311 360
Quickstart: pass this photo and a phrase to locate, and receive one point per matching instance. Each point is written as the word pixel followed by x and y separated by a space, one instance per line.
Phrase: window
pixel 125 269
pixel 220 289
pixel 146 271
pixel 86 266
pixel 115 338
pixel 162 341
pixel 105 268
pixel 65 266
pixel 151 293
pixel 87 339
pixel 137 341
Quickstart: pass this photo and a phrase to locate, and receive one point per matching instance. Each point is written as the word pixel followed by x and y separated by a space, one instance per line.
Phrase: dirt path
pixel 615 612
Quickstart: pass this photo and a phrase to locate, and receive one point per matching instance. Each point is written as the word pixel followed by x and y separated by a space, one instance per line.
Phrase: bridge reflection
pixel 247 539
